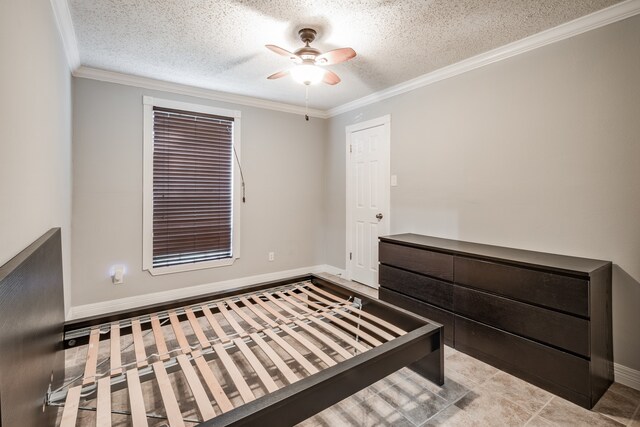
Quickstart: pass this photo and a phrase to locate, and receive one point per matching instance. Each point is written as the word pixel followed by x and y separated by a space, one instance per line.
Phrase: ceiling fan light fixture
pixel 307 74
pixel 307 60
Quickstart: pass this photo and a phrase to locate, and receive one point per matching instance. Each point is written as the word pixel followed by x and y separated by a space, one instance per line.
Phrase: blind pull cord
pixel 241 174
pixel 306 102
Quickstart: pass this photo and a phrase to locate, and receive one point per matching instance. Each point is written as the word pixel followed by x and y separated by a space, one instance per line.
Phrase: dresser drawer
pixel 547 289
pixel 434 264
pixel 559 372
pixel 423 309
pixel 560 330
pixel 421 287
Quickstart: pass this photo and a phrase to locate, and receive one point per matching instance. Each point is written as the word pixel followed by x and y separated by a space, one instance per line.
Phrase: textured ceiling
pixel 219 45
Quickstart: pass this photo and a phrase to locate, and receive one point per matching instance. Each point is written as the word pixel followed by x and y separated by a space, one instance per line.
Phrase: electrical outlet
pixel 272 256
pixel 117 277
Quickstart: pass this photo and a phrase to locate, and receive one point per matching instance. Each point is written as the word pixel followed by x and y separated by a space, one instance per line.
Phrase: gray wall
pixel 282 158
pixel 35 133
pixel 540 151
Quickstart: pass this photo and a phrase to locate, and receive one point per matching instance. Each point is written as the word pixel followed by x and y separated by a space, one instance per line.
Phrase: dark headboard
pixel 31 327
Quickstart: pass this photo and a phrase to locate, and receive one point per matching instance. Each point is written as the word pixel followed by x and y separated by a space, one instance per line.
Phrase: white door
pixel 368 146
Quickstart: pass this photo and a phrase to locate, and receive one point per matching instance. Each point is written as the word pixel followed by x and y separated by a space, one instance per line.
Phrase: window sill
pixel 158 271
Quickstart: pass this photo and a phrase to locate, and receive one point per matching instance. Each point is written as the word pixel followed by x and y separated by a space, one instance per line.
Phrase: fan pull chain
pixel 306 102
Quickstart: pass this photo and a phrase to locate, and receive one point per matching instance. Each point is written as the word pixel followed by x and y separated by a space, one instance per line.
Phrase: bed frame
pixel 344 341
pixel 31 327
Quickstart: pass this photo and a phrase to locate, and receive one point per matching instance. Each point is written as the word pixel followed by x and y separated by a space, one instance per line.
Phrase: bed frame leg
pixel 432 366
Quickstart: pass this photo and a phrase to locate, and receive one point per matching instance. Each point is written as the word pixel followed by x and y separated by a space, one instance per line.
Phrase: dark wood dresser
pixel 545 318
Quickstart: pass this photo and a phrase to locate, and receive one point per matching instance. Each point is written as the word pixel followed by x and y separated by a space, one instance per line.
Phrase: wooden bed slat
pixel 283 306
pixel 292 351
pixel 212 383
pixel 363 313
pixel 258 312
pixel 92 357
pixel 297 329
pixel 71 405
pixel 161 345
pixel 270 309
pixel 232 305
pixel 373 328
pixel 235 374
pixel 277 360
pixel 179 332
pixel 229 317
pixel 136 399
pixel 257 366
pixel 300 306
pixel 217 329
pixel 103 405
pixel 314 295
pixel 339 333
pixel 308 344
pixel 197 329
pixel 138 344
pixel 115 358
pixel 304 304
pixel 327 326
pixel 199 394
pixel 355 331
pixel 325 339
pixel 174 416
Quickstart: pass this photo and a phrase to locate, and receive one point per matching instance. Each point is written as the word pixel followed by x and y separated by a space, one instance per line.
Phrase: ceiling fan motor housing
pixel 307 35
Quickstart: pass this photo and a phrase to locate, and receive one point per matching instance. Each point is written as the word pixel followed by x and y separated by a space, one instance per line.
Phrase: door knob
pixel 379 216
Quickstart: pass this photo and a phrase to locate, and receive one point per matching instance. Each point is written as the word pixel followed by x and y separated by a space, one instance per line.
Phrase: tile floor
pixel 474 394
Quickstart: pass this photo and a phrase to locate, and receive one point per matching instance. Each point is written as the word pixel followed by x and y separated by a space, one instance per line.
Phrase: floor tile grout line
pixel 622 394
pixel 506 398
pixel 611 418
pixel 394 408
pixel 475 382
pixel 635 413
pixel 615 420
pixel 539 411
pixel 397 408
pixel 425 389
pixel 526 409
pixel 445 408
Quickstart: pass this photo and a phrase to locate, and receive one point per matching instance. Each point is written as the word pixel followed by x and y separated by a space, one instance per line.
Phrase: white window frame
pixel 147 185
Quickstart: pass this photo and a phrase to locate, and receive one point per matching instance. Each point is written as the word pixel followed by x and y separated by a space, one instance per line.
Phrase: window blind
pixel 192 187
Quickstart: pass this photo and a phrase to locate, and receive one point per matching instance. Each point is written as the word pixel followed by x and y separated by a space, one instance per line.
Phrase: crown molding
pixel 153 84
pixel 578 26
pixel 67 33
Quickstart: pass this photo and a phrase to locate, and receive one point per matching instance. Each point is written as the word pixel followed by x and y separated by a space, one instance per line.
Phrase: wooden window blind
pixel 192 187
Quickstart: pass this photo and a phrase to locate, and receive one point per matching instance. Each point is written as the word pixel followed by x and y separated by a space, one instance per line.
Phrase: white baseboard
pixel 86 310
pixel 334 270
pixel 626 376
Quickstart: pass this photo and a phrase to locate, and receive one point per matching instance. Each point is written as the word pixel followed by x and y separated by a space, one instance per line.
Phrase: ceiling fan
pixel 308 61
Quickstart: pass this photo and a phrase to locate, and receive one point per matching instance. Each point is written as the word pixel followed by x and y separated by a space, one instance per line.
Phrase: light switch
pixel 394 180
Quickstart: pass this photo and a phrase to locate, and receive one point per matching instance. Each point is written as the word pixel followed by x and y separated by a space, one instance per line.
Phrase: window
pixel 191 200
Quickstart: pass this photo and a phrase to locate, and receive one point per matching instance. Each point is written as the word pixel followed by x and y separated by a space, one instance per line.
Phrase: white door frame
pixel 386 165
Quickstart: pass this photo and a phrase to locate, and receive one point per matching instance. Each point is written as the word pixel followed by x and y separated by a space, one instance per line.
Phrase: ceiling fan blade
pixel 336 56
pixel 278 75
pixel 331 78
pixel 283 52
